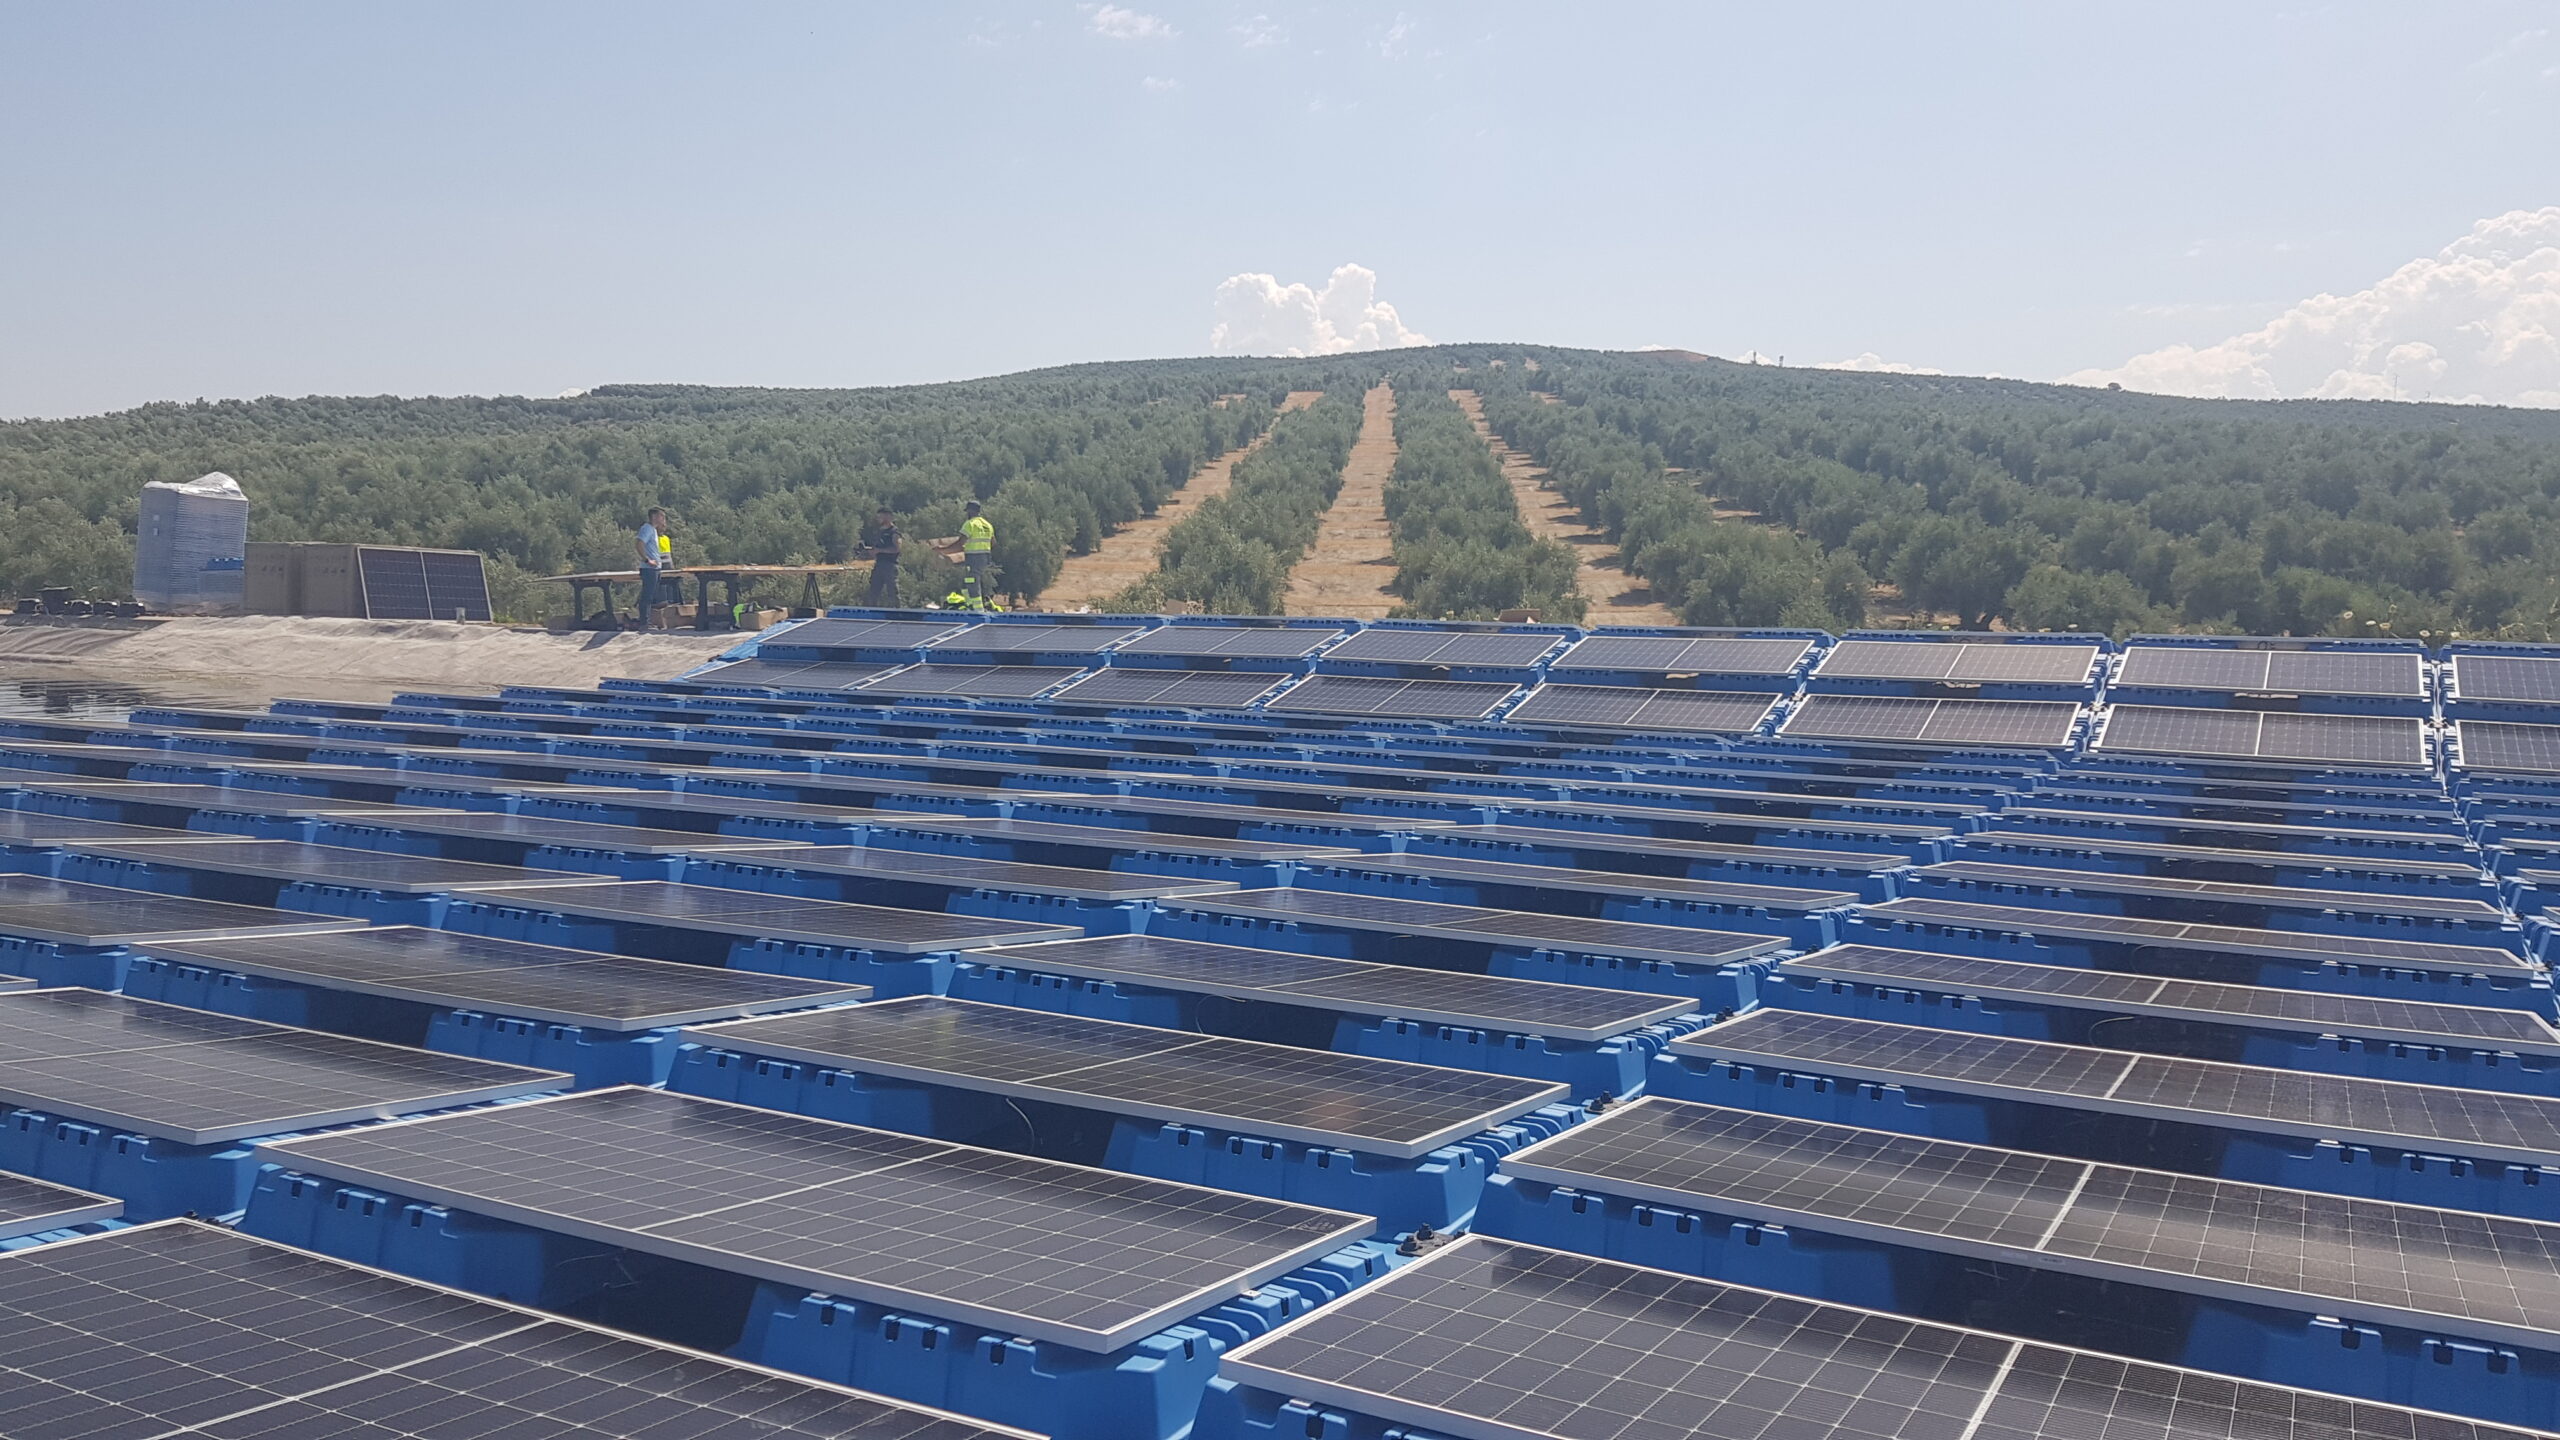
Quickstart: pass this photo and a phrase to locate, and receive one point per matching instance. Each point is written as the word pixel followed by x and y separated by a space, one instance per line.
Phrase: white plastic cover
pixel 213 485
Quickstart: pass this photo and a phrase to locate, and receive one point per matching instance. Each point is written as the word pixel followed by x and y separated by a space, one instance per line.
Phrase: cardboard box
pixel 762 619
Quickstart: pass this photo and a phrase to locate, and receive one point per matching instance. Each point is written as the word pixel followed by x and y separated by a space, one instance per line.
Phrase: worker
pixel 657 554
pixel 978 552
pixel 884 561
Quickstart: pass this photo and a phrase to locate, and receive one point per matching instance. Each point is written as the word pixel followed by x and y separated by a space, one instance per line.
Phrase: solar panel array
pixel 1393 699
pixel 972 682
pixel 2037 724
pixel 2376 740
pixel 1195 689
pixel 1958 663
pixel 1617 707
pixel 2382 673
pixel 1002 639
pixel 1685 655
pixel 1446 647
pixel 1295 642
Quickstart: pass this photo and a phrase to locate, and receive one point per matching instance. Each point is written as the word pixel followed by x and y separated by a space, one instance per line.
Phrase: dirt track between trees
pixel 1617 598
pixel 1348 569
pixel 1128 555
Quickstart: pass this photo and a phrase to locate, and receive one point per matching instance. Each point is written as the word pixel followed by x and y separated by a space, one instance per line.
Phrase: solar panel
pixel 1087 1258
pixel 31 827
pixel 2433 1119
pixel 1490 1339
pixel 296 863
pixel 2380 673
pixel 2518 749
pixel 31 1207
pixel 2163 850
pixel 1531 1007
pixel 2489 1276
pixel 2186 935
pixel 787 674
pixel 771 917
pixel 395 584
pixel 35 908
pixel 1505 928
pixel 826 634
pixel 1025 639
pixel 511 977
pixel 1684 655
pixel 201 797
pixel 2040 724
pixel 2381 740
pixel 457 584
pixel 2220 892
pixel 202 1079
pixel 1615 707
pixel 969 872
pixel 2517 679
pixel 188 1328
pixel 1384 1107
pixel 572 834
pixel 1370 695
pixel 2194 1000
pixel 1888 660
pixel 1261 642
pixel 1603 882
pixel 972 682
pixel 1207 689
pixel 2024 664
pixel 1116 839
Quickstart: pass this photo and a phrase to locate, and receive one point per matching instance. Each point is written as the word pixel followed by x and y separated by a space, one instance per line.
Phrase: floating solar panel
pixel 995 638
pixel 1087 1258
pixel 201 1079
pixel 2214 892
pixel 201 797
pixel 1380 1107
pixel 1684 655
pixel 968 682
pixel 2378 740
pixel 1443 647
pixel 2183 935
pixel 1200 689
pixel 531 830
pixel 1120 840
pixel 787 674
pixel 457 584
pixel 1490 1339
pixel 771 917
pixel 2275 833
pixel 2514 749
pixel 1614 707
pixel 187 1328
pixel 2512 679
pixel 1260 642
pixel 2416 1022
pixel 1509 929
pixel 865 634
pixel 1409 699
pixel 2163 850
pixel 2432 1119
pixel 1958 663
pixel 31 1207
pixel 2037 724
pixel 394 584
pixel 1565 878
pixel 969 872
pixel 2484 1275
pixel 511 977
pixel 1528 1007
pixel 2374 673
pixel 35 908
pixel 31 827
pixel 296 863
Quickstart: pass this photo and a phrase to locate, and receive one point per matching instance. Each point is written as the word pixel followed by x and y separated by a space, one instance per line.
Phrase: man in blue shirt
pixel 655 552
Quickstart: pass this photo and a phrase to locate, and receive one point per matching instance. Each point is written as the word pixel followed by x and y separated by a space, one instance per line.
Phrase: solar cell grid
pixel 1375 695
pixel 1023 639
pixel 457 585
pixel 1629 939
pixel 201 1079
pixel 2347 672
pixel 2180 934
pixel 512 977
pixel 1088 1258
pixel 1442 647
pixel 1223 689
pixel 2283 897
pixel 2518 749
pixel 1629 708
pixel 2193 667
pixel 30 1207
pixel 787 674
pixel 1888 660
pixel 865 634
pixel 2037 724
pixel 2024 664
pixel 2522 679
pixel 187 1328
pixel 1379 1106
pixel 972 873
pixel 771 917
pixel 34 908
pixel 1266 642
pixel 395 584
pixel 975 682
pixel 1565 877
pixel 298 863
pixel 1681 654
pixel 1097 838
pixel 545 830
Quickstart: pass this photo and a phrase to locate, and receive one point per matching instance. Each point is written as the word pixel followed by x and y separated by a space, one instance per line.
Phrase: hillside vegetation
pixel 1978 501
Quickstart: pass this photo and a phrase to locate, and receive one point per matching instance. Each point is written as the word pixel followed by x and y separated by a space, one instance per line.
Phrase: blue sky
pixel 245 199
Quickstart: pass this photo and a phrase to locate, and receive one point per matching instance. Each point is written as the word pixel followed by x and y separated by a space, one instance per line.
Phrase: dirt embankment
pixel 1617 598
pixel 271 655
pixel 1348 569
pixel 1128 555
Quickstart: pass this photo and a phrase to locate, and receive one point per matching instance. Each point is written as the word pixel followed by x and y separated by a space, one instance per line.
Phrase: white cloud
pixel 1118 22
pixel 1257 31
pixel 1870 360
pixel 1159 84
pixel 1257 315
pixel 2477 322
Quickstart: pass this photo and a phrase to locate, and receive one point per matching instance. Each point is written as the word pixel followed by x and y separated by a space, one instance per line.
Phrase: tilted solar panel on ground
pixel 2484 1276
pixel 1488 1339
pixel 512 977
pixel 2436 1120
pixel 1533 1007
pixel 395 584
pixel 457 584
pixel 188 1328
pixel 200 1078
pixel 1385 1107
pixel 2207 1002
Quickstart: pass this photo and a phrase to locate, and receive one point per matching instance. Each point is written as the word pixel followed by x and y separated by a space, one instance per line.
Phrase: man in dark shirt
pixel 884 561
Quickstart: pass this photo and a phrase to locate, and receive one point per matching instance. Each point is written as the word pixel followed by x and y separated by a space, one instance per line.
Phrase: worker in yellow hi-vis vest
pixel 977 551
